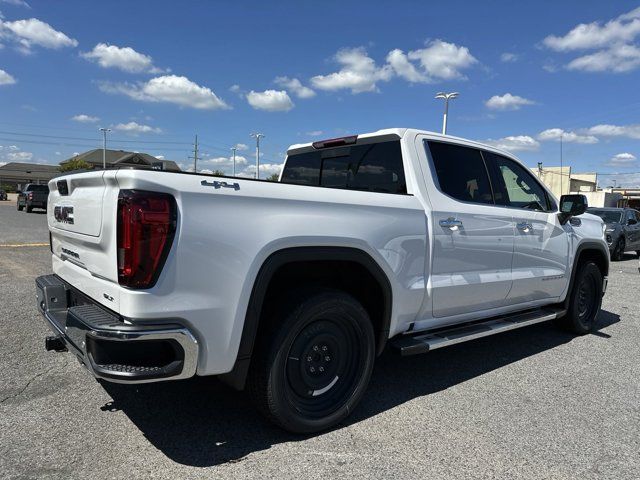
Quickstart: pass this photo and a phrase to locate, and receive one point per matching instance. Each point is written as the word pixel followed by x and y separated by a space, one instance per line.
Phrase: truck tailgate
pixel 81 215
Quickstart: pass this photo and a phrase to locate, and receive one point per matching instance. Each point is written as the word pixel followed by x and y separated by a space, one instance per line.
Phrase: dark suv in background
pixel 622 230
pixel 33 196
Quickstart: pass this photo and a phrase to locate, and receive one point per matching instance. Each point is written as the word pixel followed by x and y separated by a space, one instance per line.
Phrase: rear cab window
pixel 38 188
pixel 372 167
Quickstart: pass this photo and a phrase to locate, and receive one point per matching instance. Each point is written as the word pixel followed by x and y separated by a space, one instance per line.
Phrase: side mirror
pixel 632 221
pixel 571 206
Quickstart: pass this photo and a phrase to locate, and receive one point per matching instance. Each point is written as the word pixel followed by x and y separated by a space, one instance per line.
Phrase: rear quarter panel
pixel 224 235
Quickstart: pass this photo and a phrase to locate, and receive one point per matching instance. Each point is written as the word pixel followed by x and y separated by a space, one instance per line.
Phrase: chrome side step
pixel 423 342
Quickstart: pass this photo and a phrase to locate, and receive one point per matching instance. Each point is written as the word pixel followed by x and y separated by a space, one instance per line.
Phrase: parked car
pixel 33 196
pixel 3 195
pixel 622 231
pixel 291 289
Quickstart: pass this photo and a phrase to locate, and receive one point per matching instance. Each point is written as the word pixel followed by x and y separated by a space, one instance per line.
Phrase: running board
pixel 423 342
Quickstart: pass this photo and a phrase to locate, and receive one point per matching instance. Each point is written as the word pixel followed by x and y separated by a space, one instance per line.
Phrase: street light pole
pixel 257 136
pixel 234 160
pixel 446 97
pixel 104 147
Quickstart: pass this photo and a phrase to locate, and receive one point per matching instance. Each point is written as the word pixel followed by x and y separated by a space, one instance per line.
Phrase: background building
pixel 121 158
pixel 16 175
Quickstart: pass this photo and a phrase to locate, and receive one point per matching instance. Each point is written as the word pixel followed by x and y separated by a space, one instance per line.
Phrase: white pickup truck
pixel 290 289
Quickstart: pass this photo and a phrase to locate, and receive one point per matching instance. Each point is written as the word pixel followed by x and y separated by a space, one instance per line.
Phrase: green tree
pixel 218 173
pixel 75 164
pixel 273 178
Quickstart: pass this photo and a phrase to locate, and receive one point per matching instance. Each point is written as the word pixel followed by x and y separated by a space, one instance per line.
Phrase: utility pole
pixel 104 147
pixel 446 97
pixel 561 172
pixel 195 155
pixel 233 149
pixel 257 136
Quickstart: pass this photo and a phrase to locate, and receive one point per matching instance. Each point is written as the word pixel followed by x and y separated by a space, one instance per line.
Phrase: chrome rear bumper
pixel 110 348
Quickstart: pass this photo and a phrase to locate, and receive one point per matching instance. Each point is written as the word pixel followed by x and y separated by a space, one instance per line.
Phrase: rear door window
pixel 461 172
pixel 374 167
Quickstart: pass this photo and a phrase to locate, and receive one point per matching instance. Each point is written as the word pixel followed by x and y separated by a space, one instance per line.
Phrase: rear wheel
pixel 618 251
pixel 585 299
pixel 20 207
pixel 29 209
pixel 314 367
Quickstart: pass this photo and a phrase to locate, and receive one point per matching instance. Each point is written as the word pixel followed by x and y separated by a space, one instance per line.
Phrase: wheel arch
pixel 285 258
pixel 586 251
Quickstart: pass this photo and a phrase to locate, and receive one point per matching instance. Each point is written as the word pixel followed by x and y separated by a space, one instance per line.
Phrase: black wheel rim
pixel 323 365
pixel 586 300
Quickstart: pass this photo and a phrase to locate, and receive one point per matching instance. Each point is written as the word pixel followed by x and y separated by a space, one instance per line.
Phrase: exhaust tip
pixel 55 343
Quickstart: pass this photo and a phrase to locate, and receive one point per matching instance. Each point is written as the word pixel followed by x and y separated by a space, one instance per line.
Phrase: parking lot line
pixel 19 245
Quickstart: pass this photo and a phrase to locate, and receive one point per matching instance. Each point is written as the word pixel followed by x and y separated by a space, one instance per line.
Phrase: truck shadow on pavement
pixel 201 422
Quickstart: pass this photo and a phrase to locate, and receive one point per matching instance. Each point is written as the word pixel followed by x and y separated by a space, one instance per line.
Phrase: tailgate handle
pixel 216 184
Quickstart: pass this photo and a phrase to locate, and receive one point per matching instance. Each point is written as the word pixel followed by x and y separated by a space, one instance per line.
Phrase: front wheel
pixel 585 299
pixel 618 251
pixel 29 209
pixel 314 367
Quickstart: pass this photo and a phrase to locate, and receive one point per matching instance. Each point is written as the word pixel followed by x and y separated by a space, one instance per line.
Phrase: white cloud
pixel 515 143
pixel 241 146
pixel 618 59
pixel 404 68
pixel 294 86
pixel 6 79
pixel 270 100
pixel 19 156
pixel 266 170
pixel 135 128
pixel 82 118
pixel 234 88
pixel 613 42
pixel 442 60
pixel 314 133
pixel 123 58
pixel 359 73
pixel 622 29
pixel 507 102
pixel 508 57
pixel 218 162
pixel 169 89
pixel 622 160
pixel 35 32
pixel 17 3
pixel 629 131
pixel 569 137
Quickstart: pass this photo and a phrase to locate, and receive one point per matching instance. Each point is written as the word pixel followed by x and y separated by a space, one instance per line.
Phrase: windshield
pixel 609 216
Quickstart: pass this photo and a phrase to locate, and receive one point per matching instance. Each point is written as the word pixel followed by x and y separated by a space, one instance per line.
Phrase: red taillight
pixel 146 226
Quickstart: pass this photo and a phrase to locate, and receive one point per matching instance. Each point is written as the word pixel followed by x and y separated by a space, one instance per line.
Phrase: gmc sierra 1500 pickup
pixel 399 237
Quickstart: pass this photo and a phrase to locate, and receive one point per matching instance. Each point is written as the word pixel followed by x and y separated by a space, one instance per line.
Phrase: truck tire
pixel 20 207
pixel 618 250
pixel 29 208
pixel 314 366
pixel 585 299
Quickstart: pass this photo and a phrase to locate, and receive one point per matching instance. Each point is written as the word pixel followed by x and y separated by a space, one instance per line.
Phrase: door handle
pixel 524 226
pixel 450 223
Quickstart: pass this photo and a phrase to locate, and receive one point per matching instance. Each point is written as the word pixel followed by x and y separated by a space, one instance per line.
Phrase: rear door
pixel 473 239
pixel 541 250
pixel 632 229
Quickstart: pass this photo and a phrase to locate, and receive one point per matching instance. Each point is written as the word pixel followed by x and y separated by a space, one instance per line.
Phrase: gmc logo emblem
pixel 63 214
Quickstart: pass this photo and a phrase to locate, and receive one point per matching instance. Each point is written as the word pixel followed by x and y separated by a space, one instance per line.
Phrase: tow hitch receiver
pixel 55 343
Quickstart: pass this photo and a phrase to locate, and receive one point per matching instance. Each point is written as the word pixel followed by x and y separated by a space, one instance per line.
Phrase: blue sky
pixel 159 72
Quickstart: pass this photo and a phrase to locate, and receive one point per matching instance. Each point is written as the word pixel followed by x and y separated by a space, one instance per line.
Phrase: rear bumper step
pixel 423 342
pixel 109 348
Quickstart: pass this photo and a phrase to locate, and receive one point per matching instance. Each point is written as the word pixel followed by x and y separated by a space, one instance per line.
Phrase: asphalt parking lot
pixel 532 403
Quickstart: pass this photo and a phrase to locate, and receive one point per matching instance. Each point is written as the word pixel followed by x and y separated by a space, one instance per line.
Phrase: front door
pixel 541 249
